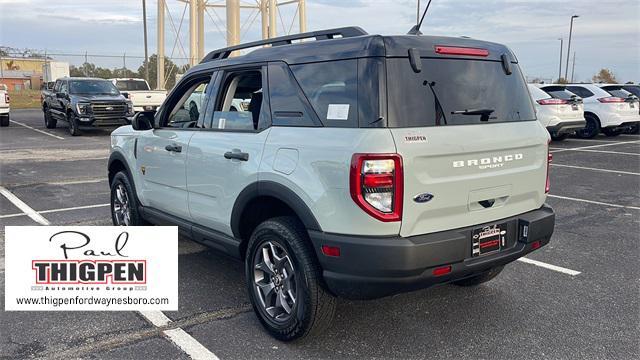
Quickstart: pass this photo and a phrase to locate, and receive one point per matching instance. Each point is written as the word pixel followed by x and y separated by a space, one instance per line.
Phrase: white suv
pixel 362 166
pixel 560 111
pixel 4 106
pixel 602 111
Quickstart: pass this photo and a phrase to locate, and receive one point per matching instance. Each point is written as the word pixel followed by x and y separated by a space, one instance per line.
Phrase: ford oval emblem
pixel 423 198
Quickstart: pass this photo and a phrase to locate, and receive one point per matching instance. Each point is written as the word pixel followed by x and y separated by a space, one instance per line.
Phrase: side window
pixel 332 89
pixel 188 110
pixel 56 87
pixel 63 87
pixel 288 104
pixel 240 105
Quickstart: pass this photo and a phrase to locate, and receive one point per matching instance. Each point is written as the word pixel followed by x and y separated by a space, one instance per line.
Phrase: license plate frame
pixel 488 239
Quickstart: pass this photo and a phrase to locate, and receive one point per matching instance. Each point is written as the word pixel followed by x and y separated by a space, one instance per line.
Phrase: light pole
pixel 560 64
pixel 566 70
pixel 146 48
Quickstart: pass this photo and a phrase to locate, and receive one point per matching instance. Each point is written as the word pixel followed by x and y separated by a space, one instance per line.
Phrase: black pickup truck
pixel 84 102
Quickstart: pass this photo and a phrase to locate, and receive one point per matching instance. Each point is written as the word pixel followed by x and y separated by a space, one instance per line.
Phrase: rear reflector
pixel 552 102
pixel 535 245
pixel 443 270
pixel 455 50
pixel 611 99
pixel 331 250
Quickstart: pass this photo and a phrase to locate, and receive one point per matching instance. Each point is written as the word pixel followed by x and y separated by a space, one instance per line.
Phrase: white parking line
pixel 181 338
pixel 549 266
pixel 24 207
pixel 56 210
pixel 596 146
pixel 593 202
pixel 600 151
pixel 596 169
pixel 37 130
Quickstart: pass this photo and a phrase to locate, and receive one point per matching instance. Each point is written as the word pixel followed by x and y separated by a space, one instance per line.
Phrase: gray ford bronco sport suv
pixel 363 166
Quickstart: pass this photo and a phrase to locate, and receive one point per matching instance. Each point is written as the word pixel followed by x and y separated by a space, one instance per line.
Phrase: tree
pixel 170 70
pixel 562 81
pixel 604 76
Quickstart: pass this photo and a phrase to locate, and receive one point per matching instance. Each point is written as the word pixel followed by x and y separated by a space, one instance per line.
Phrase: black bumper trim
pixel 373 267
pixel 567 127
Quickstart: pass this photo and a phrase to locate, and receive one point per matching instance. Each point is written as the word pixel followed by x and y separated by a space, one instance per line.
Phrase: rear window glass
pixel 332 90
pixel 617 91
pixel 634 89
pixel 559 92
pixel 580 91
pixel 131 85
pixel 455 92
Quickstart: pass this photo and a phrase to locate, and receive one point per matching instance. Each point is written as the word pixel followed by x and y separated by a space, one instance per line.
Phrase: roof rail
pixel 286 40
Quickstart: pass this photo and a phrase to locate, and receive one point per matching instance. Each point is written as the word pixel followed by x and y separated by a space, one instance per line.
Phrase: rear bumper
pixel 614 120
pixel 566 127
pixel 373 267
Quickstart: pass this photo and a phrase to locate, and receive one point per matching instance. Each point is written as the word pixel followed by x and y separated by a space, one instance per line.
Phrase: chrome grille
pixel 109 110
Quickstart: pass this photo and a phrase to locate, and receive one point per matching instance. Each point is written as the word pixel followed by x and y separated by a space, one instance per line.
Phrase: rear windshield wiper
pixel 484 113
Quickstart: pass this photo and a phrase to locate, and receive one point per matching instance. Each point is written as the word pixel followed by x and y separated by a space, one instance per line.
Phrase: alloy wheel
pixel 121 206
pixel 275 283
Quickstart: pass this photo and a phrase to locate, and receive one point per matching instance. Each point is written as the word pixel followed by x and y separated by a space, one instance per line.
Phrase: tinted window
pixel 559 92
pixel 289 107
pixel 634 89
pixel 580 91
pixel 617 91
pixel 94 87
pixel 455 92
pixel 131 85
pixel 332 90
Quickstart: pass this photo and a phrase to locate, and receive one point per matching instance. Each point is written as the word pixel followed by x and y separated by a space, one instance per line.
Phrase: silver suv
pixel 362 166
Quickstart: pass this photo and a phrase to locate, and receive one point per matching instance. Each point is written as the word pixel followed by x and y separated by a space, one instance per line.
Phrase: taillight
pixel 552 102
pixel 611 99
pixel 6 98
pixel 377 185
pixel 547 186
pixel 456 50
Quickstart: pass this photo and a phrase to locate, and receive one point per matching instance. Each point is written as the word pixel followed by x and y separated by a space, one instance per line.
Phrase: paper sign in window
pixel 338 112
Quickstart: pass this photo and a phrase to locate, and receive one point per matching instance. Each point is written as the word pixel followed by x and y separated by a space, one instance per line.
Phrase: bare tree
pixel 604 76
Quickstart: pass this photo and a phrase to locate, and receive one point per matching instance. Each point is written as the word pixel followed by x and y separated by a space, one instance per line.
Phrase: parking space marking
pixel 57 210
pixel 600 151
pixel 181 338
pixel 24 207
pixel 596 146
pixel 549 266
pixel 595 169
pixel 593 202
pixel 76 182
pixel 37 130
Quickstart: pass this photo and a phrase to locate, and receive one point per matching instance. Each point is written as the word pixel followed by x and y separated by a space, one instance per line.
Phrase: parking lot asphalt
pixel 576 298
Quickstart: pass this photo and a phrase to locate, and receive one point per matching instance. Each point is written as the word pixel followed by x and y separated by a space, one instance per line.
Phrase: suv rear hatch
pixel 466 129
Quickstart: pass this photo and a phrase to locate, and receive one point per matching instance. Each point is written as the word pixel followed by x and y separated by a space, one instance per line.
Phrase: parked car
pixel 195 101
pixel 602 111
pixel 140 93
pixel 83 102
pixel 364 166
pixel 559 110
pixel 619 90
pixel 4 106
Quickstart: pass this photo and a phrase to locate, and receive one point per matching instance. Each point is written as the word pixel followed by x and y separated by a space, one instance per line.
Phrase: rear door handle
pixel 236 154
pixel 173 148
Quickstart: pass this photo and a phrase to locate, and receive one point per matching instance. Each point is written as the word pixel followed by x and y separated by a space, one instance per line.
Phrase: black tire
pixel 72 119
pixel 559 137
pixel 591 129
pixel 121 181
pixel 634 129
pixel 49 121
pixel 480 278
pixel 312 307
pixel 612 132
pixel 4 121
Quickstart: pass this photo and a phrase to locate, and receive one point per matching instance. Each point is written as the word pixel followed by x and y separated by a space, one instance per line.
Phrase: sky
pixel 606 35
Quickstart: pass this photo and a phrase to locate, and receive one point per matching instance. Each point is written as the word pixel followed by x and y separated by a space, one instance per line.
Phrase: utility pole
pixel 573 68
pixel 302 15
pixel 566 70
pixel 160 55
pixel 264 16
pixel 193 32
pixel 273 14
pixel 233 22
pixel 560 64
pixel 146 48
pixel 201 11
pixel 418 13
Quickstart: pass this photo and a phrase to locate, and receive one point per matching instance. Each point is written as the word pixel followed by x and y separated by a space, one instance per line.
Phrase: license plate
pixel 574 107
pixel 632 105
pixel 488 239
pixel 149 107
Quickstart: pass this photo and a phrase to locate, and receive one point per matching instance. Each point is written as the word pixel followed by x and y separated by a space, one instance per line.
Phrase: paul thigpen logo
pixel 118 269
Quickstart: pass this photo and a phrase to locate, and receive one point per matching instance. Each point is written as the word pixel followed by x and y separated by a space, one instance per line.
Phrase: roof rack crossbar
pixel 344 32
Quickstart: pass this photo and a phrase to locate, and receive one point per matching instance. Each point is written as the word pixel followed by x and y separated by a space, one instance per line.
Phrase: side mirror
pixel 60 95
pixel 125 94
pixel 143 120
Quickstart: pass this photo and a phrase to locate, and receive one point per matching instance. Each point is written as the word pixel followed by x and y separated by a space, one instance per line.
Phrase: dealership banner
pixel 99 268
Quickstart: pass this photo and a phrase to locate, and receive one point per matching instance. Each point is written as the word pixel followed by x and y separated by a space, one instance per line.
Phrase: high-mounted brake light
pixel 376 185
pixel 611 99
pixel 456 50
pixel 552 102
pixel 547 186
